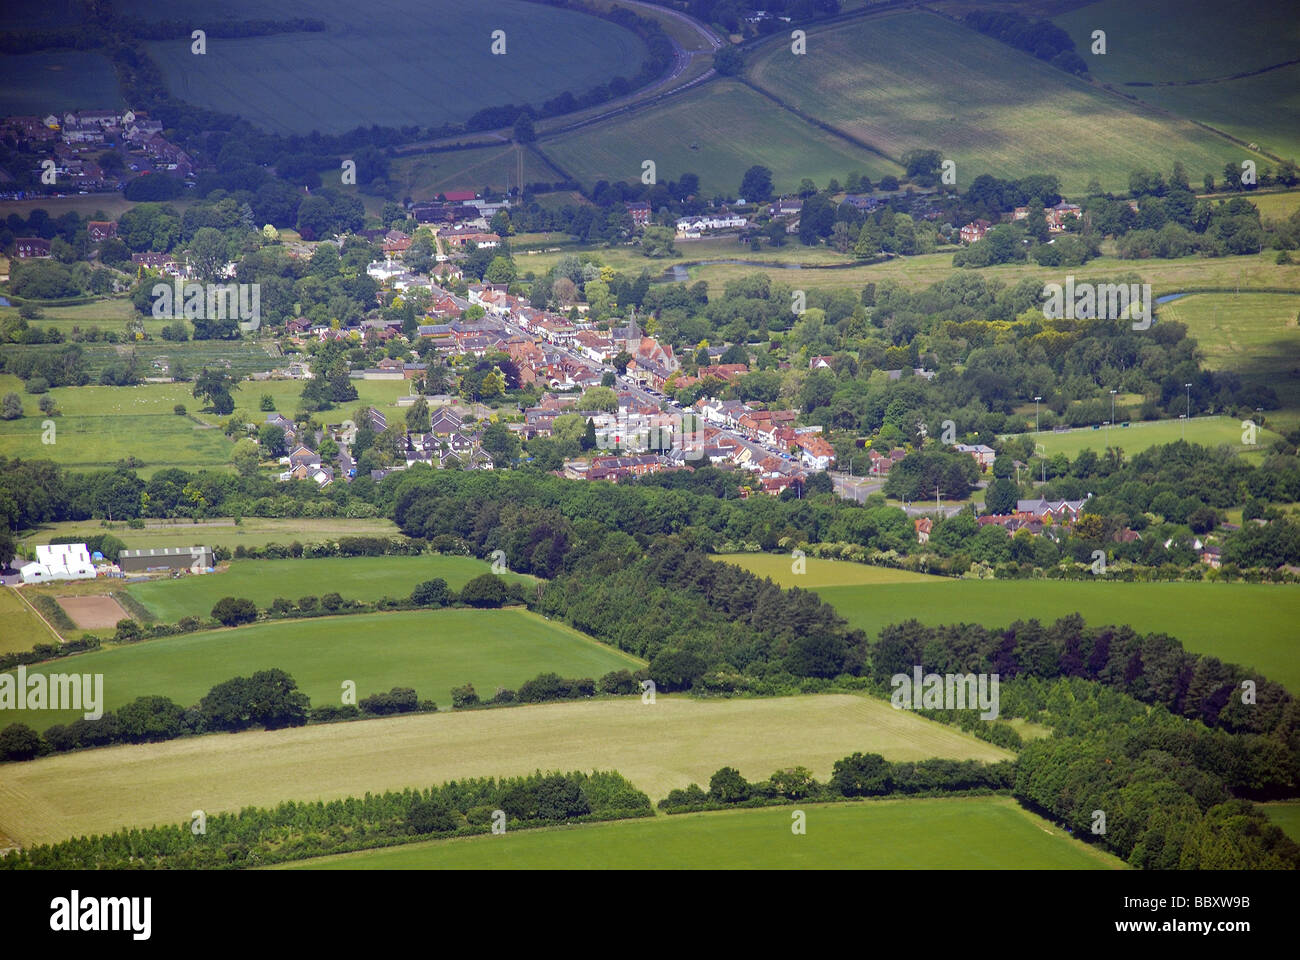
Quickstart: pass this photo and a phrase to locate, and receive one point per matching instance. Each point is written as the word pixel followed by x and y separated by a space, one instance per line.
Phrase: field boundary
pixel 57 636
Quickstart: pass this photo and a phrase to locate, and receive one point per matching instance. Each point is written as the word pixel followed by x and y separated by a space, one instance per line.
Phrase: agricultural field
pixel 1167 44
pixel 1254 335
pixel 287 397
pixel 355 578
pixel 915 273
pixel 879 80
pixel 1248 624
pixel 250 531
pixel 98 426
pixel 35 84
pixel 718 131
pixel 92 205
pixel 424 64
pixel 1206 617
pixel 1139 435
pixel 669 744
pixel 821 573
pixel 429 174
pixel 23 628
pixel 429 651
pixel 984 833
pixel 105 314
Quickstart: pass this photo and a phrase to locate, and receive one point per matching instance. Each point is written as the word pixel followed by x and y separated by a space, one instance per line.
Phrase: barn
pixel 193 559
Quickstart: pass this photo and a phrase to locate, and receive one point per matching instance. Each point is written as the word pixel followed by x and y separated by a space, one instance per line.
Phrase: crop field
pixel 717 131
pixel 428 651
pixel 397 64
pixel 821 573
pixel 1167 43
pixel 98 426
pixel 1139 435
pixel 35 84
pixel 914 273
pixel 992 109
pixel 980 833
pixel 428 174
pixel 1248 624
pixel 250 531
pixel 1254 335
pixel 669 744
pixel 22 628
pixel 355 578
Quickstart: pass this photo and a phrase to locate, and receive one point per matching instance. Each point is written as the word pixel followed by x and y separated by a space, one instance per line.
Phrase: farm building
pixel 193 559
pixel 59 561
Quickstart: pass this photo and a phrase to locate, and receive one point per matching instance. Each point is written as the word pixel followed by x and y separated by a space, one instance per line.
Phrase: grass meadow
pixel 661 746
pixel 913 834
pixel 1207 617
pixel 1139 435
pixel 914 273
pixel 355 578
pixel 1254 335
pixel 991 109
pixel 250 531
pixel 1285 815
pixel 1170 42
pixel 23 629
pixel 399 64
pixel 428 174
pixel 428 651
pixel 821 573
pixel 718 131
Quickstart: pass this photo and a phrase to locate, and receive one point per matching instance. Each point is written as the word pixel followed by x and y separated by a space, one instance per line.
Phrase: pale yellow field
pixel 821 573
pixel 659 747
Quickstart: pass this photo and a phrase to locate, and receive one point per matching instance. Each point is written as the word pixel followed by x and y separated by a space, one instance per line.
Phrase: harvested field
pixel 92 613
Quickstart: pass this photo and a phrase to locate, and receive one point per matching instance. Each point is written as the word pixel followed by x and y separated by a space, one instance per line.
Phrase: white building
pixel 59 561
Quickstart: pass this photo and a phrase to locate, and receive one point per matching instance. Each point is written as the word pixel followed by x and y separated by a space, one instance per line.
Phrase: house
pixel 923 527
pixel 975 230
pixel 880 463
pixel 193 559
pixel 817 453
pixel 982 454
pixel 821 363
pixel 639 212
pixel 99 230
pixel 1058 511
pixel 459 196
pixel 445 423
pixel 785 207
pixel 1212 556
pixel 303 457
pixel 29 248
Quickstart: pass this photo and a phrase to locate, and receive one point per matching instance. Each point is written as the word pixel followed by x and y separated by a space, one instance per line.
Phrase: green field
pixel 424 63
pixel 916 81
pixel 250 531
pixel 1248 624
pixel 1286 816
pixel 1166 42
pixel 23 629
pixel 355 578
pixel 110 314
pixel 718 131
pixel 428 651
pixel 1206 617
pixel 1139 435
pixel 1254 335
pixel 659 747
pixel 54 81
pixel 985 833
pixel 914 273
pixel 1276 206
pixel 821 573
pixel 287 397
pixel 428 174
pixel 98 426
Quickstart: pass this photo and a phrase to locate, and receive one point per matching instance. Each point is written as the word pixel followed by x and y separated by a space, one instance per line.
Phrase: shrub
pixel 431 593
pixel 397 700
pixel 619 682
pixel 232 611
pixel 127 630
pixel 37 385
pixel 331 601
pixel 20 742
pixel 432 816
pixel 487 590
pixel 179 410
pixel 463 696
